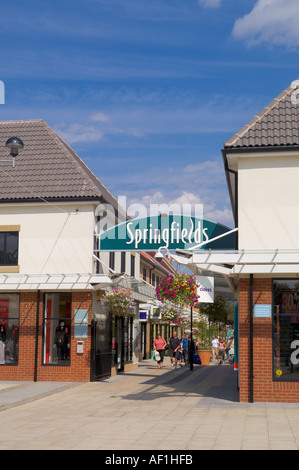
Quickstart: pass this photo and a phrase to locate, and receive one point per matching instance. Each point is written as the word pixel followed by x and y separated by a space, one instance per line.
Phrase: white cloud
pixel 94 129
pixel 201 184
pixel 210 3
pixel 100 117
pixel 79 133
pixel 160 202
pixel 270 21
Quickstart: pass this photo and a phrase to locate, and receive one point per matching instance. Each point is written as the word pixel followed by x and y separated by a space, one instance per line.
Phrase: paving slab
pixel 146 409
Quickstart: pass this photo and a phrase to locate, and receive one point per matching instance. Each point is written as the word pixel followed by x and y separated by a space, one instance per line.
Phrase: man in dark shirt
pixel 174 344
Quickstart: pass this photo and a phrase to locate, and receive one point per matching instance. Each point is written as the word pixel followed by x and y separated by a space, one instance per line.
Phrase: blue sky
pixel 146 92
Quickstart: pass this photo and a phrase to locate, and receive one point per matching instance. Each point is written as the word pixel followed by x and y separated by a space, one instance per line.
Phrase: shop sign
pixel 169 231
pixel 143 315
pixel 156 313
pixel 205 288
pixel 262 311
pixel 81 323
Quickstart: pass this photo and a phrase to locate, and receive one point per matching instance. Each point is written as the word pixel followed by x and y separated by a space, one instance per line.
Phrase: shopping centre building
pixel 53 273
pixel 261 164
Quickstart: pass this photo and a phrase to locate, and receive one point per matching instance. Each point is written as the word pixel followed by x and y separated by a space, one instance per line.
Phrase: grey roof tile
pixel 46 168
pixel 276 125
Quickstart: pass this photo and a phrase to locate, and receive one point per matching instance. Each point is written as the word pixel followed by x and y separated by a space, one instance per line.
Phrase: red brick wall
pixel 264 389
pixel 78 371
pixel 25 369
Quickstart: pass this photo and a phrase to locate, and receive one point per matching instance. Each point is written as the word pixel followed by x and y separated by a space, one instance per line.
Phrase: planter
pixel 205 356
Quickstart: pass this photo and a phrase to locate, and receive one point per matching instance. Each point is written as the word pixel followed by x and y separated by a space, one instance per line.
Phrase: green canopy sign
pixel 171 231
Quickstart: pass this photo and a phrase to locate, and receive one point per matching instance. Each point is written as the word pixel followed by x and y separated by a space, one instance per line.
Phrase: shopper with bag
pixel 174 344
pixel 159 347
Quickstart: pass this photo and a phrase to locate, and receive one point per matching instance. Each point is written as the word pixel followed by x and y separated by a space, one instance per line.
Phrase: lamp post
pixel 191 351
pixel 14 144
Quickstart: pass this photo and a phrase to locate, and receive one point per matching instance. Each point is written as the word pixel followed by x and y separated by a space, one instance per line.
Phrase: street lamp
pixel 14 144
pixel 159 255
pixel 191 350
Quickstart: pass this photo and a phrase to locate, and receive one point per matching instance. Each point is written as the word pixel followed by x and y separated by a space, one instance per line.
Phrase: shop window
pixel 9 243
pixel 57 329
pixel 112 260
pixel 122 341
pixel 286 329
pixel 9 328
pixel 123 262
pixel 132 265
pixel 127 338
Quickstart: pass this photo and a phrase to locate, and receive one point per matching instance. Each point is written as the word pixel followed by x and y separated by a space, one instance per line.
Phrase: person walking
pixel 228 346
pixel 159 346
pixel 214 345
pixel 174 344
pixel 185 341
pixel 221 346
pixel 180 354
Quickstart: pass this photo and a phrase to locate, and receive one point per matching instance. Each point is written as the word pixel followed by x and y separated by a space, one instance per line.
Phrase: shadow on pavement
pixel 214 382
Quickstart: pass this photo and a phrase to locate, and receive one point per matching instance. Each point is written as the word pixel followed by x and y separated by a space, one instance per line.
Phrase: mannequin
pixel 11 342
pixel 62 341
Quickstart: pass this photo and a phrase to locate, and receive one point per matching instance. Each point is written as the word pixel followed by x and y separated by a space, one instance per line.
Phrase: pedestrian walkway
pixel 146 409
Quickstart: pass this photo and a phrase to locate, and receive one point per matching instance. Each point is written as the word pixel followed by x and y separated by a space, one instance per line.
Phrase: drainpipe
pixel 235 173
pixel 251 342
pixel 36 335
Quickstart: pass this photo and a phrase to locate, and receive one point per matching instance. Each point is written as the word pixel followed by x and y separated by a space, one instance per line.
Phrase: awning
pixel 25 282
pixel 232 263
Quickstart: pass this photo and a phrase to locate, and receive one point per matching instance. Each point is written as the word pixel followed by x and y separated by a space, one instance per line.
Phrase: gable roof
pixel 276 125
pixel 46 168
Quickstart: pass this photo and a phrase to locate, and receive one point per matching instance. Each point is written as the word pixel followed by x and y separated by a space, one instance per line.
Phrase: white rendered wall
pixel 268 202
pixel 53 240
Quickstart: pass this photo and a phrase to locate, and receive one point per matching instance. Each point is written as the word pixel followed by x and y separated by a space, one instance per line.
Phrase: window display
pixel 286 329
pixel 57 329
pixel 9 328
pixel 122 340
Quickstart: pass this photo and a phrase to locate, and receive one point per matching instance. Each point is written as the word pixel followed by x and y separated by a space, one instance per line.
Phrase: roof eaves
pixel 89 177
pixel 233 141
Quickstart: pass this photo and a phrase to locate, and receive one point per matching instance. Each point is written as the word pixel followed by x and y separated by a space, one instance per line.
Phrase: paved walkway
pixel 147 409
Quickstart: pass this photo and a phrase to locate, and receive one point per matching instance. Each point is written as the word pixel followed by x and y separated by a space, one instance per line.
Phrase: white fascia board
pixel 233 258
pixel 265 269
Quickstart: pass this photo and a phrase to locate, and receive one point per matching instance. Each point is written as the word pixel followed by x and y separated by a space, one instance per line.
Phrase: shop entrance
pixel 101 348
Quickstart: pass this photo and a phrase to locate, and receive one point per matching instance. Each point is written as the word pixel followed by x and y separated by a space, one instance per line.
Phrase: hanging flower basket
pixel 118 301
pixel 179 289
pixel 170 312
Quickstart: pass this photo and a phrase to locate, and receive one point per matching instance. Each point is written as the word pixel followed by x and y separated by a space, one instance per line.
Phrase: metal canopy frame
pixel 233 263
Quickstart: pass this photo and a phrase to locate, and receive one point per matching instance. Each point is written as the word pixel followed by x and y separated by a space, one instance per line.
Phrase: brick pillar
pixel 262 341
